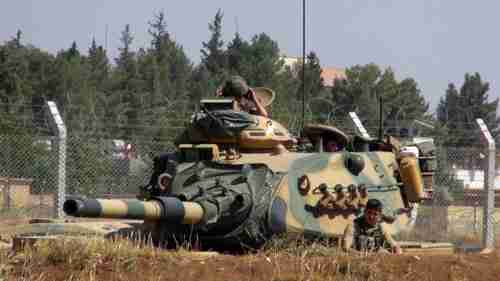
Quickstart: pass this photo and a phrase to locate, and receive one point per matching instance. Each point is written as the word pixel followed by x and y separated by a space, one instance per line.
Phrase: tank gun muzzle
pixel 169 209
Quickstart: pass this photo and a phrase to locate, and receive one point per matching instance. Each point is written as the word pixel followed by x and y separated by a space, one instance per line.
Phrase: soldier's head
pixel 373 211
pixel 235 87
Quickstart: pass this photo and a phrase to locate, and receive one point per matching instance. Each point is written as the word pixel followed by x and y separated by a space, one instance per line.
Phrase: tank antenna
pixel 380 118
pixel 303 63
pixel 106 38
pixel 237 26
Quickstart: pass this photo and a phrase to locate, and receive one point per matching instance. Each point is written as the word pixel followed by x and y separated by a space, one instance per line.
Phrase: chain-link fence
pixel 455 210
pixel 95 167
pixel 98 166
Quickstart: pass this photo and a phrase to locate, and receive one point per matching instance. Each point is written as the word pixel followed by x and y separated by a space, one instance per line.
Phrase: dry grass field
pixel 98 259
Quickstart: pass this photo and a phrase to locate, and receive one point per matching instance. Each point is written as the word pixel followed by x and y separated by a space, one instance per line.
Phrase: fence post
pixel 360 129
pixel 489 184
pixel 8 192
pixel 59 127
pixel 5 190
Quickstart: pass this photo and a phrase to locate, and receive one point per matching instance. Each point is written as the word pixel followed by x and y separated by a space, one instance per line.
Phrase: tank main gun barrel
pixel 168 209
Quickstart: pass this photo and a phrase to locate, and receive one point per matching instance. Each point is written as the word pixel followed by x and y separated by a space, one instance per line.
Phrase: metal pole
pixel 380 118
pixel 8 194
pixel 489 203
pixel 303 62
pixel 488 192
pixel 59 127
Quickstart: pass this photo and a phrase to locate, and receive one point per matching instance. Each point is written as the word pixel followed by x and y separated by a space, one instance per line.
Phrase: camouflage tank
pixel 238 179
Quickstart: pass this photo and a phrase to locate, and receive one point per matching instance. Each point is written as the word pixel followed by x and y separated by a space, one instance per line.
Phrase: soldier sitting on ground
pixel 368 233
pixel 245 96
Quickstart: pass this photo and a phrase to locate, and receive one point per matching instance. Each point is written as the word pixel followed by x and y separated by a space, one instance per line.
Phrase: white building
pixel 474 179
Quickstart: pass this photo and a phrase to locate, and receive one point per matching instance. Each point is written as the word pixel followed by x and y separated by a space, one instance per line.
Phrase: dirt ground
pixel 265 266
pixel 261 267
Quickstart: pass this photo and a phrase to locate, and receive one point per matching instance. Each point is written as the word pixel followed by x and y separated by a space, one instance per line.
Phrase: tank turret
pixel 220 122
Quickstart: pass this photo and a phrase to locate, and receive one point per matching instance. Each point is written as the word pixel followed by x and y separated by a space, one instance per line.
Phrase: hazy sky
pixel 434 42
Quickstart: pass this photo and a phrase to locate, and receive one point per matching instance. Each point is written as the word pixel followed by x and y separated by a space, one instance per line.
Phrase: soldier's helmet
pixel 235 86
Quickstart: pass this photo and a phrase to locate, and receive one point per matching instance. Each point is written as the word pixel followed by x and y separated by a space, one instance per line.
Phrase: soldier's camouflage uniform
pixel 361 236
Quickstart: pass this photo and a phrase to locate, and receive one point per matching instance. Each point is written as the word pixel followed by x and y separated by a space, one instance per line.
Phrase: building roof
pixel 290 61
pixel 329 74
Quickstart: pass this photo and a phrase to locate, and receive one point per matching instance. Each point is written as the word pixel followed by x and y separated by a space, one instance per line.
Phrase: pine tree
pixel 458 110
pixel 165 72
pixel 364 85
pixel 72 52
pixel 201 84
pixel 212 55
pixel 314 81
pixel 15 86
pixel 17 40
pixel 263 61
pixel 126 66
pixel 259 62
pixel 126 87
pixel 237 52
pixel 99 66
pixel 358 93
pixel 161 37
pixel 160 63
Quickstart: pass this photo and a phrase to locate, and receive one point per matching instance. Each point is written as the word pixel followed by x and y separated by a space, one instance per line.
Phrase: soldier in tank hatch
pixel 245 96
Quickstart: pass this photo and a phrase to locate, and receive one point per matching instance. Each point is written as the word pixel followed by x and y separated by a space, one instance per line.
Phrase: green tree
pixel 126 88
pixel 314 81
pixel 285 106
pixel 167 72
pixel 72 52
pixel 99 66
pixel 160 51
pixel 403 102
pixel 17 40
pixel 126 65
pixel 20 83
pixel 313 86
pixel 262 61
pixel 458 110
pixel 237 52
pixel 358 93
pixel 261 64
pixel 79 96
pixel 14 68
pixel 201 84
pixel 213 57
pixel 103 105
pixel 363 85
pixel 170 69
